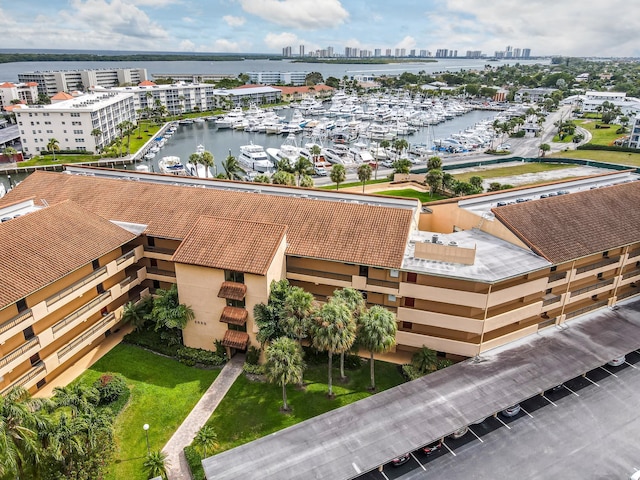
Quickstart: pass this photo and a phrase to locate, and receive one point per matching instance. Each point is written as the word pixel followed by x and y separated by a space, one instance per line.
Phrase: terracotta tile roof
pixel 62 96
pixel 232 290
pixel 7 85
pixel 235 339
pixel 32 84
pixel 234 315
pixel 578 224
pixel 229 244
pixel 37 248
pixel 146 83
pixel 342 232
pixel 303 89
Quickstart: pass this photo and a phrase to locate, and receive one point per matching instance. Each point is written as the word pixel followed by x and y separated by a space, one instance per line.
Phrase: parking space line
pixel 498 418
pixel 383 474
pixel 631 365
pixel 419 462
pixel 585 376
pixel 526 411
pixel 450 451
pixel 474 434
pixel 610 373
pixel 571 390
pixel 549 400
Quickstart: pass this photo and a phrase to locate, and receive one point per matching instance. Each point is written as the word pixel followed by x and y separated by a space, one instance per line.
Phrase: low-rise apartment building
pixel 463 275
pixel 24 92
pixel 53 81
pixel 73 122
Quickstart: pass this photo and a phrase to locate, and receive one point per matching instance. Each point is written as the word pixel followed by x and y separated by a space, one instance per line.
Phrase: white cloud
pixel 188 20
pixel 276 41
pixel 228 46
pixel 153 3
pixel 234 21
pixel 301 14
pixel 407 42
pixel 187 46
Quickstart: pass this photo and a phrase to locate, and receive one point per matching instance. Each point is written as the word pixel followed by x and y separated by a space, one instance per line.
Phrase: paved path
pixel 174 449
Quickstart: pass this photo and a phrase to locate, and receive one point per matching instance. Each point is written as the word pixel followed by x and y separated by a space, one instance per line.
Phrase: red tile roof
pixel 235 339
pixel 303 89
pixel 37 248
pixel 146 83
pixel 234 315
pixel 232 290
pixel 62 96
pixel 230 244
pixel 572 226
pixel 337 231
pixel 7 85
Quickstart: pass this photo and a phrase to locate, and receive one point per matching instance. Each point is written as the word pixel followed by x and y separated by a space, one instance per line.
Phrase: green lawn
pixel 601 136
pixel 251 410
pixel 424 197
pixel 354 184
pixel 163 392
pixel 524 167
pixel 620 158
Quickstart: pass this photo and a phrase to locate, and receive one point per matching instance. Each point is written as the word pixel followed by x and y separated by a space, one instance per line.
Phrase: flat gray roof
pixel 357 438
pixel 495 260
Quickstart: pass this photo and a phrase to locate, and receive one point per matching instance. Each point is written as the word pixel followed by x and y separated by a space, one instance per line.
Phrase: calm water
pixel 222 142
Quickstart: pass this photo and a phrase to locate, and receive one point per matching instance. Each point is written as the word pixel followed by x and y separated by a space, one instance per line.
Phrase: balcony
pixel 76 286
pixel 319 277
pixel 20 354
pixel 554 277
pixel 550 299
pixel 158 253
pixel 586 309
pixel 17 320
pixel 457 347
pixel 26 380
pixel 123 258
pixel 593 266
pixel 155 273
pixel 625 276
pixel 86 337
pixel 84 311
pixel 590 288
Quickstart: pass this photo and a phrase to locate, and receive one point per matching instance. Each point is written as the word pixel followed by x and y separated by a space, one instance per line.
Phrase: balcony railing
pixel 157 271
pixel 81 311
pixel 320 273
pixel 593 266
pixel 21 317
pixel 85 335
pixel 549 301
pixel 164 251
pixel 76 286
pixel 19 351
pixel 634 253
pixel 554 277
pixel 592 287
pixel 383 283
pixel 585 309
pixel 125 257
pixel 127 281
pixel 630 274
pixel 37 369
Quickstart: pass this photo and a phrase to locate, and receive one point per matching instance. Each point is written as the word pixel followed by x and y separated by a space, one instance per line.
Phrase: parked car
pixel 504 146
pixel 511 411
pixel 400 460
pixel 616 362
pixel 461 432
pixel 387 164
pixel 321 171
pixel 434 447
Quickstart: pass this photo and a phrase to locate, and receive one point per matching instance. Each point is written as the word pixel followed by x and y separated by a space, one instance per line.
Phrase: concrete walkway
pixel 178 468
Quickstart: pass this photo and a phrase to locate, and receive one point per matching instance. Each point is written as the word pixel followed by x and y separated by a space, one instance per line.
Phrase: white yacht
pixel 289 149
pixel 172 165
pixel 198 169
pixel 360 153
pixel 254 157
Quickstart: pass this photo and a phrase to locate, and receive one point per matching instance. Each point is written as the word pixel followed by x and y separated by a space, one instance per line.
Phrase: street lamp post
pixel 146 431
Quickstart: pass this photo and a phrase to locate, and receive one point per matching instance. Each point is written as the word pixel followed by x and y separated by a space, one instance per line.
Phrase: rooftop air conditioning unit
pixel 453 244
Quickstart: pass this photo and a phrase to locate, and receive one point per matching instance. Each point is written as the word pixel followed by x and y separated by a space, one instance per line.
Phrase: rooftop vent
pixel 434 239
pixel 453 244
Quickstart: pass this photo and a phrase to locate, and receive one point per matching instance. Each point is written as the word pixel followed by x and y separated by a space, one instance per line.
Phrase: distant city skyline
pixel 352 52
pixel 571 28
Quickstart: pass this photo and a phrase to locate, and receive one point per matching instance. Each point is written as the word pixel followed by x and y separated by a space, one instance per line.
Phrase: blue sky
pixel 568 27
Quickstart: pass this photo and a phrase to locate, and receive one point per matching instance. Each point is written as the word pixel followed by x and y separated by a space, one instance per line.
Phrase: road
pixel 588 429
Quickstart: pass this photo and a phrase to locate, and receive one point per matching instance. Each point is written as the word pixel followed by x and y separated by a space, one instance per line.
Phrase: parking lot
pixel 588 428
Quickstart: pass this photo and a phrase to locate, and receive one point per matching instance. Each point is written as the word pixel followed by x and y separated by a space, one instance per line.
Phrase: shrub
pixel 253 355
pixel 110 386
pixel 221 350
pixel 410 372
pixel 352 362
pixel 518 134
pixel 192 356
pixel 443 363
pixel 253 369
pixel 151 340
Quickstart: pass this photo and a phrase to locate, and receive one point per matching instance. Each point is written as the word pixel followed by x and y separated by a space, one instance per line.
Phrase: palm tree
pixel 126 128
pixel 356 304
pixel 284 365
pixel 306 181
pixel 134 314
pixel 434 180
pixel 283 178
pixel 298 309
pixel 96 133
pixel 338 174
pixel 262 178
pixel 79 398
pixel 20 424
pixel 400 145
pixel 434 163
pixel 206 159
pixel 168 312
pixel 333 330
pixel 364 174
pixel 315 151
pixel 205 439
pixel 424 360
pixel 377 333
pixel 53 146
pixel 303 166
pixel 544 148
pixel 155 464
pixel 66 440
pixel 232 169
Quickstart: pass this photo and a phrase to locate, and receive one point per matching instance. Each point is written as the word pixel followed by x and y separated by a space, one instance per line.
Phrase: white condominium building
pixel 72 122
pixel 26 92
pixel 52 82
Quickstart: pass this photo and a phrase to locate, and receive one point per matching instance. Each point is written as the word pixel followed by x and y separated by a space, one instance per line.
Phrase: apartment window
pixel 28 333
pixel 95 264
pixel 364 271
pixel 104 312
pixel 605 254
pixel 35 359
pixel 41 383
pixel 554 268
pixel 235 303
pixel 151 241
pixel 412 277
pixel 156 284
pixel 407 325
pixel 232 276
pixel 100 288
pixel 600 275
pixel 409 302
pixel 548 291
pixel 21 305
pixel 154 263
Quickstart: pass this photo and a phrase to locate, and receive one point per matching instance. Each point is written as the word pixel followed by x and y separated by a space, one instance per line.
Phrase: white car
pixel 511 411
pixel 616 362
pixel 504 146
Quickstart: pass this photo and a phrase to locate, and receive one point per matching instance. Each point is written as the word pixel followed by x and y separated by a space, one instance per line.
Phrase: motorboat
pixel 171 165
pixel 289 149
pixel 254 157
pixel 198 169
pixel 360 153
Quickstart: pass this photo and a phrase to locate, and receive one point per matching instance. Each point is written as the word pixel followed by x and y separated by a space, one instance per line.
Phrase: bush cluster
pixel 253 355
pixel 410 372
pixel 110 386
pixel 253 369
pixel 198 356
pixel 152 340
pixel 612 148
